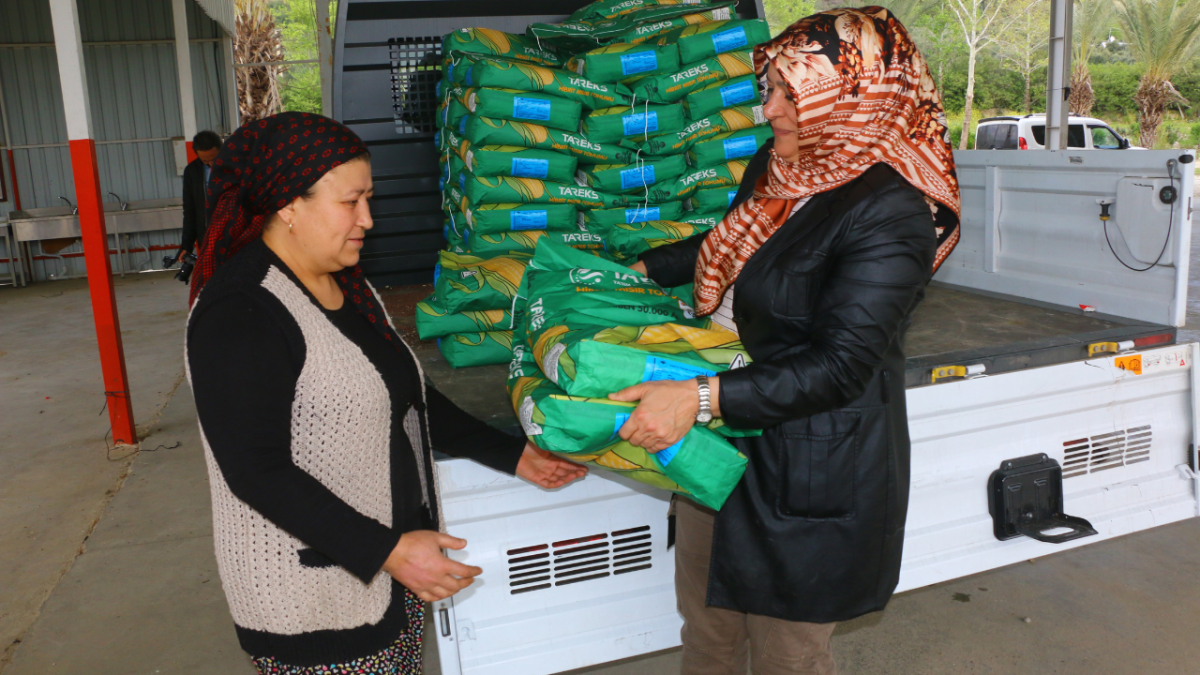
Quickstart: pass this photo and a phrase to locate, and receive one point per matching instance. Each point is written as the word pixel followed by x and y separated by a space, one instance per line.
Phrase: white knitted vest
pixel 341 435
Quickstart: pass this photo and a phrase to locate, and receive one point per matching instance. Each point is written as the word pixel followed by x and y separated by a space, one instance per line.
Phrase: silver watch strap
pixel 705 394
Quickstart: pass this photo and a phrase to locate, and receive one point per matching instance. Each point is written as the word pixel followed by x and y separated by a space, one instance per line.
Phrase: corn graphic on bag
pixel 496 43
pixel 498 218
pixel 626 241
pixel 523 106
pixel 621 61
pixel 507 190
pixel 728 174
pixel 504 160
pixel 488 245
pixel 639 213
pixel 464 350
pixel 729 119
pixel 485 131
pixel 673 87
pixel 717 37
pixel 620 179
pixel 433 321
pixel 469 283
pixel 728 146
pixel 504 74
pixel 611 125
pixel 719 95
pixel 703 465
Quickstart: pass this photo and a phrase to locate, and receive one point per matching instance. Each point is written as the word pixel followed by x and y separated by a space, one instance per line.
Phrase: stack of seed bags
pixel 585 327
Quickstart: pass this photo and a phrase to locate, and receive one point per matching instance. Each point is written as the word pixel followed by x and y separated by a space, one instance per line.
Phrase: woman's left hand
pixel 666 411
pixel 546 469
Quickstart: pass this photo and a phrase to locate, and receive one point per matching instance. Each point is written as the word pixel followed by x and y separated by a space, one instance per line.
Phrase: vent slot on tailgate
pixel 586 558
pixel 416 69
pixel 1106 451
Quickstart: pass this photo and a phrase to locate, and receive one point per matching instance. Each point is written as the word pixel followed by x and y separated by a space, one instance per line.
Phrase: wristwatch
pixel 705 415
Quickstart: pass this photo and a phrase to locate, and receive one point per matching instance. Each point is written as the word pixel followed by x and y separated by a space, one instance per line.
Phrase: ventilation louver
pixel 1106 451
pixel 596 556
pixel 416 69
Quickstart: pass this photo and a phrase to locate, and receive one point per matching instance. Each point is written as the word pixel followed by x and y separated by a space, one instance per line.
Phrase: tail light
pixel 1021 144
pixel 1151 340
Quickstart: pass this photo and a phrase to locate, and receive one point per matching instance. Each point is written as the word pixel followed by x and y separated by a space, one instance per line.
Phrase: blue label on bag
pixel 437 272
pixel 740 147
pixel 641 215
pixel 640 177
pixel 737 93
pixel 641 62
pixel 437 89
pixel 528 220
pixel 462 182
pixel 450 72
pixel 640 123
pixel 468 79
pixel 531 108
pixel 661 369
pixel 726 40
pixel 462 125
pixel 524 167
pixel 663 456
pixel 732 196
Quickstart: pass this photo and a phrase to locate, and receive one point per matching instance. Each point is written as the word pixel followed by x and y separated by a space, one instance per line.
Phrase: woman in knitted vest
pixel 316 420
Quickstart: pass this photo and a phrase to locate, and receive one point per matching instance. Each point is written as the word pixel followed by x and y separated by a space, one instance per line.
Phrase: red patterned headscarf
pixel 263 167
pixel 863 95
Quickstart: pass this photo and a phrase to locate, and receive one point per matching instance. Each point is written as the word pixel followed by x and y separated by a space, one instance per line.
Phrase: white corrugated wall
pixel 132 78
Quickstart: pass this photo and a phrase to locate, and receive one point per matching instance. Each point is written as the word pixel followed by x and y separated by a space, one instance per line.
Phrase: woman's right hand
pixel 419 564
pixel 639 267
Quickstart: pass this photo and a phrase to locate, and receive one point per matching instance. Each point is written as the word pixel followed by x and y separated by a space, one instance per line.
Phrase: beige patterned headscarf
pixel 863 95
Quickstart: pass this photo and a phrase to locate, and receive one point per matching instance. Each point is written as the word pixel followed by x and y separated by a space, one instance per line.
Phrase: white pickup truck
pixel 1049 331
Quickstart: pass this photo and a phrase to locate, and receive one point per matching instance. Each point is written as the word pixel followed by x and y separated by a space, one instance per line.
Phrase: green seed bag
pixel 729 146
pixel 465 350
pixel 606 218
pixel 704 40
pixel 484 131
pixel 625 178
pixel 487 245
pixel 728 174
pixel 505 160
pixel 450 114
pixel 611 125
pixel 621 61
pixel 468 283
pixel 673 87
pixel 455 241
pixel 712 200
pixel 598 362
pixel 720 95
pixel 499 218
pixel 626 241
pixel 499 74
pixel 524 106
pixel 496 43
pixel 433 321
pixel 650 28
pixel 506 190
pixel 702 466
pixel 729 119
pixel 611 9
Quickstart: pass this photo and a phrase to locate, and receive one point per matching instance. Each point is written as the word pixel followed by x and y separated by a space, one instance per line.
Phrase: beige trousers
pixel 720 641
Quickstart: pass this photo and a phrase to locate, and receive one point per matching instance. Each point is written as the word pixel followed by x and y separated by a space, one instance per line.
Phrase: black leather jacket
pixel 814 530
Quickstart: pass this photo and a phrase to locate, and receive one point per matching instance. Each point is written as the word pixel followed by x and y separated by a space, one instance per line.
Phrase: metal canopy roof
pixel 222 12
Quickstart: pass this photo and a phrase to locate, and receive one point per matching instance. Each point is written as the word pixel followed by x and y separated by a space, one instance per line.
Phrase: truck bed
pixel 955 326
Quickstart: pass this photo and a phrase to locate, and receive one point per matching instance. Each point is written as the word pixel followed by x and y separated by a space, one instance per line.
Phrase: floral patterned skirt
pixel 402 657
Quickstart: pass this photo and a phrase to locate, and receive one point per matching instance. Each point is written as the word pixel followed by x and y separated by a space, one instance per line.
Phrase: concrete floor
pixel 106 561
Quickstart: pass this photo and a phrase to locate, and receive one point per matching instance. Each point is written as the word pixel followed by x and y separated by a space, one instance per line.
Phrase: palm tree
pixel 1093 19
pixel 258 41
pixel 1162 37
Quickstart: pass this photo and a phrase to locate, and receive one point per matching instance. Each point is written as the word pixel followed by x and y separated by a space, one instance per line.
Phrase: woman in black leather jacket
pixel 834 233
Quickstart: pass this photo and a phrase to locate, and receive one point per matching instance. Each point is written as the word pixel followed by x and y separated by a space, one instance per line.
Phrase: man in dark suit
pixel 206 145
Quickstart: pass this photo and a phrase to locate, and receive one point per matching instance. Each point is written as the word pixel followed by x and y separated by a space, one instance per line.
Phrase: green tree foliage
pixel 783 13
pixel 301 84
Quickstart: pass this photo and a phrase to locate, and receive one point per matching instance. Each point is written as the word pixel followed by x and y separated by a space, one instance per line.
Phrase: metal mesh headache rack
pixel 416 69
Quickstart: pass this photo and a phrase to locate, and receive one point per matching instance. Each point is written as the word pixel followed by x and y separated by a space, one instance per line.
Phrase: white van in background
pixel 1029 133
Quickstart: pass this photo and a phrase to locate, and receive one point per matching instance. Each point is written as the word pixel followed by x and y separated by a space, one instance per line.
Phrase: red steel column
pixel 69 48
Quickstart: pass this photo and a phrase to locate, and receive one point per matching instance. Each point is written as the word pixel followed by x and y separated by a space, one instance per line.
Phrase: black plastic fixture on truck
pixel 416 69
pixel 1025 497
